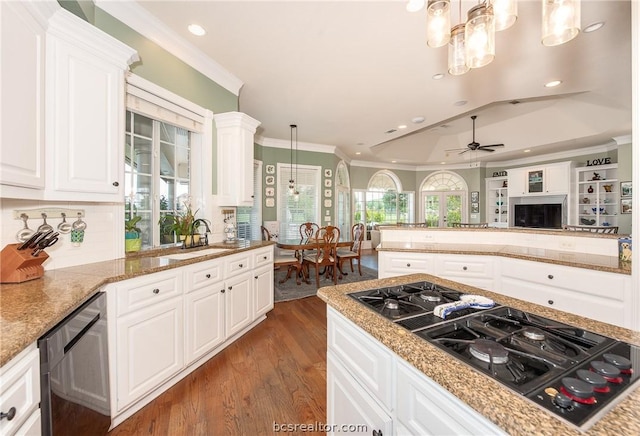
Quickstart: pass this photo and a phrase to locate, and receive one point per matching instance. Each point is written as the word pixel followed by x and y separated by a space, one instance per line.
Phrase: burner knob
pixel 577 388
pixel 562 401
pixel 617 361
pixel 595 380
pixel 605 369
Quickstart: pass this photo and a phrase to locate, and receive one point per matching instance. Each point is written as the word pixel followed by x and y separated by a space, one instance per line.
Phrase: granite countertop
pixel 505 408
pixel 30 309
pixel 566 258
pixel 554 232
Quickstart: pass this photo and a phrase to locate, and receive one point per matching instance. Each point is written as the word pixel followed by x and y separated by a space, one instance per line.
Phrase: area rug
pixel 289 290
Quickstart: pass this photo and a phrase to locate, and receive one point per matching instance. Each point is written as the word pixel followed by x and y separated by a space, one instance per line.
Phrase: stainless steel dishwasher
pixel 74 371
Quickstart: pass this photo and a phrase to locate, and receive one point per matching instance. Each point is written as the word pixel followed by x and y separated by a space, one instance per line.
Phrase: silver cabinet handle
pixel 156 291
pixel 9 415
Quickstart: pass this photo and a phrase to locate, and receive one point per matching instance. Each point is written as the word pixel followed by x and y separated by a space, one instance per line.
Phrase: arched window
pixel 384 181
pixel 444 181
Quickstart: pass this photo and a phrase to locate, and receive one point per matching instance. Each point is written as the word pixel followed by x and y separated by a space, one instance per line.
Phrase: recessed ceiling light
pixel 437 76
pixel 553 83
pixel 526 151
pixel 402 126
pixel 358 153
pixel 442 163
pixel 394 161
pixel 197 29
pixel 460 103
pixel 593 27
pixel 417 120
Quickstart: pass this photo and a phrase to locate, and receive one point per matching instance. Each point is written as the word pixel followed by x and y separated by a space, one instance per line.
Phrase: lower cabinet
pixel 372 390
pixel 238 303
pixel 263 290
pixel 20 394
pixel 350 408
pixel 150 349
pixel 475 271
pixel 400 263
pixel 204 321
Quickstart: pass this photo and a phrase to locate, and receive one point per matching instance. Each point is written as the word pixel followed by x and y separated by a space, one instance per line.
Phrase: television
pixel 544 216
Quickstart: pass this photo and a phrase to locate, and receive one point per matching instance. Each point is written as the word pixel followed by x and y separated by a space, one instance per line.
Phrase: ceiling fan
pixel 473 145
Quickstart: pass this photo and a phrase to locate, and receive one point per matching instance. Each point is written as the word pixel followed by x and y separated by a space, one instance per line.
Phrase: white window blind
pixel 305 207
pixel 249 219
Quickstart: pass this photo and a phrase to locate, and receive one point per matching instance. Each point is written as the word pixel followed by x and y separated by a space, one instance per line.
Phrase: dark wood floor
pixel 274 373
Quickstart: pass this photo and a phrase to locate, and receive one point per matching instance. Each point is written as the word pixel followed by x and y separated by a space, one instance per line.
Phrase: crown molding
pixel 553 156
pixel 382 165
pixel 143 22
pixel 304 146
pixel 622 140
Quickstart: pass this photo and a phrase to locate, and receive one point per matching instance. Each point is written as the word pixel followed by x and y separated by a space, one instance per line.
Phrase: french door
pixel 440 209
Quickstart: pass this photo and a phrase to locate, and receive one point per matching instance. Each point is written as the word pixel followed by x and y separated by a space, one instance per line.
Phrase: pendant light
pixel 479 36
pixel 292 182
pixel 505 13
pixel 296 193
pixel 457 58
pixel 438 23
pixel 560 21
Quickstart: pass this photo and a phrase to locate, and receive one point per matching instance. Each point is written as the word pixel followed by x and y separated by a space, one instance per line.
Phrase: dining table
pixel 301 245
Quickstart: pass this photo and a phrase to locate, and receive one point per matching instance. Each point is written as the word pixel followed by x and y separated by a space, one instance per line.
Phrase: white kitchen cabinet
pixel 550 179
pixel 262 290
pixel 425 408
pixel 596 201
pixel 20 394
pixel 497 201
pixel 84 111
pixel 350 407
pixel 471 270
pixel 22 52
pixel 393 263
pixel 235 142
pixel 593 294
pixel 204 308
pixel 238 300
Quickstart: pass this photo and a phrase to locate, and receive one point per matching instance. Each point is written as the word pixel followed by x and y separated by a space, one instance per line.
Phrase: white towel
pixel 443 310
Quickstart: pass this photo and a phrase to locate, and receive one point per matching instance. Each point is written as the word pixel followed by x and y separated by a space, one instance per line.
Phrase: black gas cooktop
pixel 575 374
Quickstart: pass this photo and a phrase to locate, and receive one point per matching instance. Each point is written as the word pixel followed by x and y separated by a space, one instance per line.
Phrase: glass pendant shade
pixel 457 59
pixel 505 13
pixel 438 23
pixel 480 42
pixel 560 21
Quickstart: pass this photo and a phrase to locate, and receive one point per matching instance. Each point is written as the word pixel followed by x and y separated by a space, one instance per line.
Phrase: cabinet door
pixel 263 290
pixel 22 51
pixel 557 179
pixel 349 407
pixel 425 408
pixel 86 109
pixel 517 182
pixel 238 303
pixel 204 328
pixel 150 349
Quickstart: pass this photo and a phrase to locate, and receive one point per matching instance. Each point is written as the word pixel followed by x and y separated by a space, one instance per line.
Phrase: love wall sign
pixel 600 161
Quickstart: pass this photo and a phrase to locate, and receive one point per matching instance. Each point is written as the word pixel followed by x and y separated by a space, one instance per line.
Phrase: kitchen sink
pixel 193 254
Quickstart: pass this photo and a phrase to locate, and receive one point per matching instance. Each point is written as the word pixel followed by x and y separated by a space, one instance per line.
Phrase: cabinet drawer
pixel 20 381
pixel 370 362
pixel 464 266
pixel 203 274
pixel 144 291
pixel 237 263
pixel 394 263
pixel 263 257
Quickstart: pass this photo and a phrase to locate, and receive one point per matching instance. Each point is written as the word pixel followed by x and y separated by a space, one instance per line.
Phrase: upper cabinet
pixel 22 51
pixel 235 158
pixel 548 179
pixel 66 142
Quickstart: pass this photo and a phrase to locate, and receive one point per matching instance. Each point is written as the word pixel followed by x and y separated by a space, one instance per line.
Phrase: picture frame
pixel 269 191
pixel 270 180
pixel 327 202
pixel 327 183
pixel 534 179
pixel 475 207
pixel 475 196
pixel 270 202
pixel 625 205
pixel 626 189
pixel 270 169
pixel 328 173
pixel 327 192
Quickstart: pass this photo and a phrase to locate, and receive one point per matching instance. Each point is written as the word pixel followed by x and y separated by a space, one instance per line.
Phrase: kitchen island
pixel 510 412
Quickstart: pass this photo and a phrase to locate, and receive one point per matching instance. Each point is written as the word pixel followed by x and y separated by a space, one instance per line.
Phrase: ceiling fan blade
pixel 466 149
pixel 492 145
pixel 457 149
pixel 485 149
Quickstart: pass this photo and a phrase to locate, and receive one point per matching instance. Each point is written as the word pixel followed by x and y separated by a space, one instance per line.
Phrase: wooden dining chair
pixel 291 261
pixel 308 231
pixel 324 254
pixel 470 225
pixel 355 251
pixel 592 229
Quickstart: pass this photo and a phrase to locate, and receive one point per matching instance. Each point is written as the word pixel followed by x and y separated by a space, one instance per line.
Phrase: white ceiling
pixel 346 72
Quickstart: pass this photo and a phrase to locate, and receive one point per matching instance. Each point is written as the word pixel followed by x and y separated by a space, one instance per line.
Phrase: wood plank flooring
pixel 274 373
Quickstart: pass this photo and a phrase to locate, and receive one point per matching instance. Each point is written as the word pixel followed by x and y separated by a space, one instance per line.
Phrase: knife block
pixel 17 266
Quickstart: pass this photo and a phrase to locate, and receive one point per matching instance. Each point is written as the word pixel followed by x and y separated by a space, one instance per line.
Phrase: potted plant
pixel 132 240
pixel 182 224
